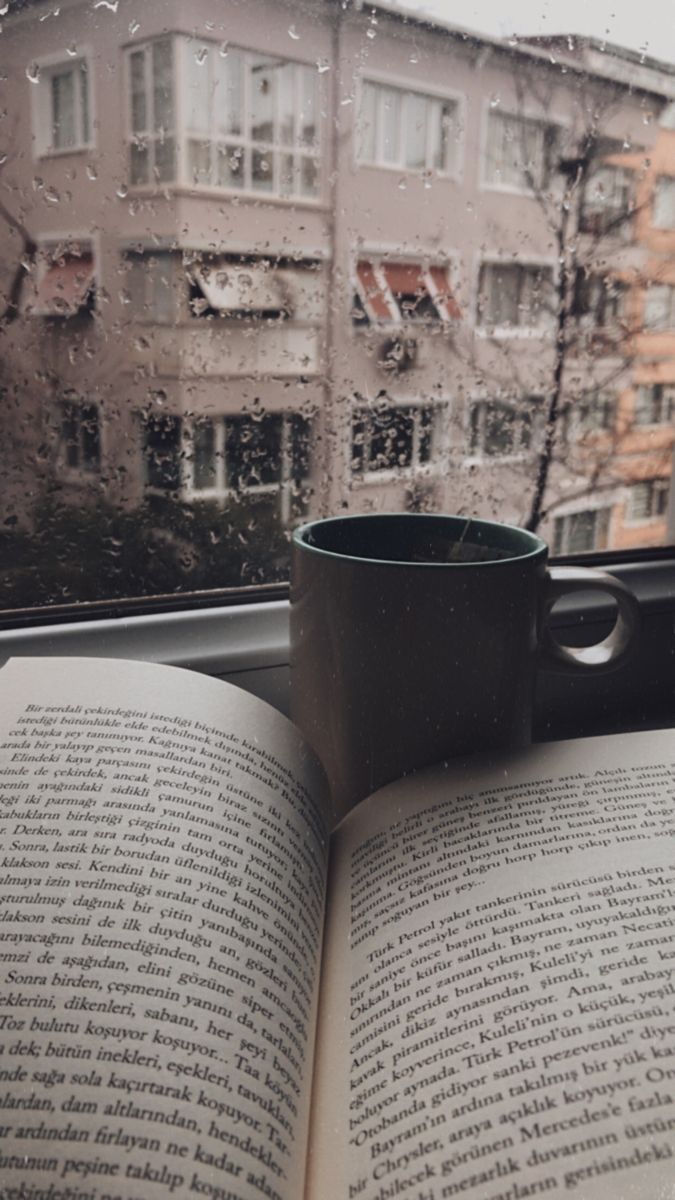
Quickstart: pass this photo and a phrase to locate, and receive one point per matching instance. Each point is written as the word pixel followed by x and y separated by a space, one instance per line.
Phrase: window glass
pixel 267 261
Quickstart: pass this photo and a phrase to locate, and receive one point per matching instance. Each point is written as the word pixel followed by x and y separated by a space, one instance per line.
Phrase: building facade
pixel 334 259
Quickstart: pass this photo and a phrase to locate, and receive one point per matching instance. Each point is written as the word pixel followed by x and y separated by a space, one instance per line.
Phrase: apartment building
pixel 312 253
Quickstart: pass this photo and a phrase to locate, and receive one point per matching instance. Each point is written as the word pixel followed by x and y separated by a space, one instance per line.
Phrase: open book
pixel 472 995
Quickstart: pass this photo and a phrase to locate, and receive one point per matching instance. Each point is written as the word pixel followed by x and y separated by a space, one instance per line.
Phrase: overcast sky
pixel 647 25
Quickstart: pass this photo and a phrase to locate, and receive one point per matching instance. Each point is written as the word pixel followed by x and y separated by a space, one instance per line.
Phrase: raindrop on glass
pixel 52 196
pixel 121 190
pixel 201 56
pixel 92 173
pixel 134 27
pixel 33 72
pixel 293 33
pixel 72 49
pixel 402 185
pixel 222 49
pixel 495 100
pixel 322 65
pixel 371 33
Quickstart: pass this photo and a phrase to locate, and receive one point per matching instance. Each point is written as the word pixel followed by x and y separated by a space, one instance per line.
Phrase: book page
pixel 162 883
pixel 498 993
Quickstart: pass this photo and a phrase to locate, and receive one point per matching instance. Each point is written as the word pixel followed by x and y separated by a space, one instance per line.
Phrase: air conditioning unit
pixel 397 354
pixel 421 497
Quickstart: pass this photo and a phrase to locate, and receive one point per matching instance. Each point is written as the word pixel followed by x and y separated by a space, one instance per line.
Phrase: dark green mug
pixel 417 637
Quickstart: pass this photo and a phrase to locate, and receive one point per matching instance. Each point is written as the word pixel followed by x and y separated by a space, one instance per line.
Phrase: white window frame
pixel 221 490
pixel 87 241
pixel 519 407
pixel 145 263
pixel 656 493
pixel 150 137
pixel 656 294
pixel 406 88
pixel 486 180
pixel 79 473
pixel 581 417
pixel 658 404
pixel 181 47
pixel 415 469
pixel 612 207
pixel 484 329
pixel 560 545
pixel 47 67
pixel 378 261
pixel 663 212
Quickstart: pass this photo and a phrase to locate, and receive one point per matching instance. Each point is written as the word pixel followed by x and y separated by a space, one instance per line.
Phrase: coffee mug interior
pixel 419 538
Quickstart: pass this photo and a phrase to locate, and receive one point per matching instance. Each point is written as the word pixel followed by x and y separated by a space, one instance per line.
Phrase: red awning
pixel 443 297
pixel 405 279
pixel 375 300
pixel 64 288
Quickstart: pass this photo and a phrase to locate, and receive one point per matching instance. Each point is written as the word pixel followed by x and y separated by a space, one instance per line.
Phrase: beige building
pixel 313 253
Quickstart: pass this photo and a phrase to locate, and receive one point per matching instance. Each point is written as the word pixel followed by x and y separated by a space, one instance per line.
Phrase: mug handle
pixel 613 650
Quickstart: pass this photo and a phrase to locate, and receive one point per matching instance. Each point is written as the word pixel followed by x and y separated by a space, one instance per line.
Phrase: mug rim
pixel 539 547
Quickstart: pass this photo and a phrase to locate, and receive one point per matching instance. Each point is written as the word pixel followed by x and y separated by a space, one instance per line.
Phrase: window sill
pixel 248 645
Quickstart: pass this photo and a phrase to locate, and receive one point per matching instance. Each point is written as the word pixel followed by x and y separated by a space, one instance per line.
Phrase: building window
pixel 152 139
pixel 407 130
pixel 606 201
pixel 664 203
pixel 520 152
pixel 515 296
pixel 210 458
pixel 152 278
pixel 240 290
pixel 62 283
pixel 251 123
pixel 654 404
pixel 592 414
pixel 499 429
pixel 599 300
pixel 659 311
pixel 393 437
pixel 79 447
pixel 578 532
pixel 647 500
pixel 162 452
pixel 395 292
pixel 63 117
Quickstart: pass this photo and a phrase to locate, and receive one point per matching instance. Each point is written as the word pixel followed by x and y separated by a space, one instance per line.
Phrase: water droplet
pixel 222 49
pixel 648 118
pixel 92 173
pixel 293 33
pixel 322 65
pixel 371 33
pixel 72 50
pixel 134 27
pixel 110 4
pixel 3 159
pixel 33 72
pixel 4 10
pixel 495 100
pixel 121 190
pixel 347 100
pixel 402 185
pixel 201 56
pixel 414 57
pixel 52 196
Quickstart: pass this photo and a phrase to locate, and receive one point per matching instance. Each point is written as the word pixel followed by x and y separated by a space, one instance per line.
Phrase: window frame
pixel 670 322
pixel 517 406
pixel 88 242
pixel 405 86
pixel 378 260
pixel 485 184
pixel 665 401
pixel 658 487
pixel 182 181
pixel 415 470
pixel 41 104
pixel 667 179
pixel 80 473
pixel 493 259
pixel 560 546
